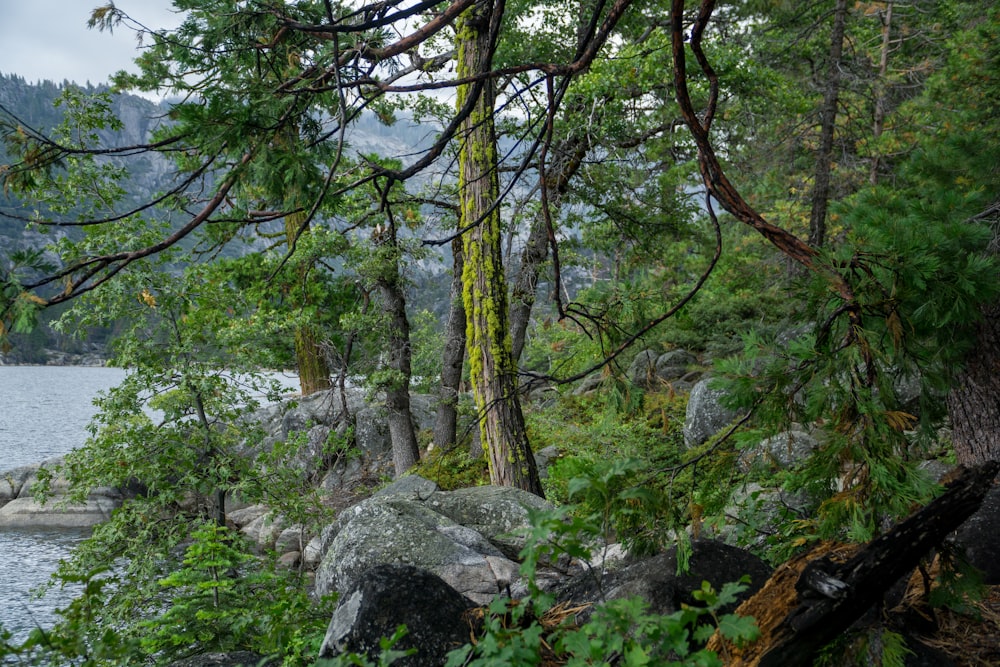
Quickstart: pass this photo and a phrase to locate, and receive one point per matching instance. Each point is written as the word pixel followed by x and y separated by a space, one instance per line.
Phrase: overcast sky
pixel 49 39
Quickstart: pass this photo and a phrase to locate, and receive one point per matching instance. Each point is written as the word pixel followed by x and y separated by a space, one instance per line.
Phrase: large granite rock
pixel 705 414
pixel 655 579
pixel 979 538
pixel 642 371
pixel 783 450
pixel 20 509
pixel 388 596
pixel 467 537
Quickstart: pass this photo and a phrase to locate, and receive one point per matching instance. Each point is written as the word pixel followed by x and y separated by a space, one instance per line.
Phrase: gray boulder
pixel 655 579
pixel 759 512
pixel 467 537
pixel 672 366
pixel 496 512
pixel 388 596
pixel 642 371
pixel 590 383
pixel 19 509
pixel 705 414
pixel 783 450
pixel 12 481
pixel 979 538
pixel 396 530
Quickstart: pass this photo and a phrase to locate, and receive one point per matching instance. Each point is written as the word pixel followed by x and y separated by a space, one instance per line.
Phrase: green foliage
pixel 221 599
pixel 386 657
pixel 454 468
pixel 620 630
pixel 630 475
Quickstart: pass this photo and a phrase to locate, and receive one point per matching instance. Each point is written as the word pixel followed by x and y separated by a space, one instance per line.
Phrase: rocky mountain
pixel 36 105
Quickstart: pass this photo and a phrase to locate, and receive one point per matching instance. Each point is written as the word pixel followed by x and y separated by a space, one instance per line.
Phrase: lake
pixel 44 411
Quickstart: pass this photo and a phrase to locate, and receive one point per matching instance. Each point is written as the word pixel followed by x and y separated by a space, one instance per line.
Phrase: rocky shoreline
pixel 411 546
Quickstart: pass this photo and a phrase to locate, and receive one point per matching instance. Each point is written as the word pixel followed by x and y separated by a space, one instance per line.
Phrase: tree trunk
pixel 974 401
pixel 405 452
pixel 484 287
pixel 446 424
pixel 813 599
pixel 828 122
pixel 314 373
pixel 878 119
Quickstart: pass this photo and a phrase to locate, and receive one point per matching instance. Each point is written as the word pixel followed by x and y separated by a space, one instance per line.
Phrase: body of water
pixel 44 411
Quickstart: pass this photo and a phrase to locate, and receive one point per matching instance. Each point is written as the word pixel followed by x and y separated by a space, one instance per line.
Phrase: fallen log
pixel 827 590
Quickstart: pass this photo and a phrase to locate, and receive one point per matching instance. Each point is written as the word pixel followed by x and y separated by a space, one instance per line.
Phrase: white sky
pixel 49 39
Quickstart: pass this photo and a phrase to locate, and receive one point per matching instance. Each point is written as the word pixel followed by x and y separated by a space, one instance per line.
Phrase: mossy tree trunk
pixel 492 370
pixel 310 361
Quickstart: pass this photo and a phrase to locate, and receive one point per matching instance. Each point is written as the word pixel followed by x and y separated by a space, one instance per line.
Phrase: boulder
pixel 979 538
pixel 313 553
pixel 388 596
pixel 496 512
pixel 290 560
pixel 779 451
pixel 29 513
pixel 672 366
pixel 469 537
pixel 642 371
pixel 705 414
pixel 655 579
pixel 394 529
pixel 12 481
pixel 760 511
pixel 246 515
pixel 19 509
pixel 590 383
pixel 264 530
pixel 291 539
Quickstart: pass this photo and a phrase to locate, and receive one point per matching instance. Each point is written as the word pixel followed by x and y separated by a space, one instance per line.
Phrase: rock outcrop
pixel 470 537
pixel 705 415
pixel 387 596
pixel 20 509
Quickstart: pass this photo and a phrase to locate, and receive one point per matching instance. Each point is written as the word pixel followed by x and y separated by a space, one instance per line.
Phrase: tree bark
pixel 974 400
pixel 314 372
pixel 828 123
pixel 484 286
pixel 878 117
pixel 446 422
pixel 405 452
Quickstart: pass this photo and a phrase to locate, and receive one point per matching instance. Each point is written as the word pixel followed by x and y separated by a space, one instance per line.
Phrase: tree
pixel 259 76
pixel 493 371
pixel 913 281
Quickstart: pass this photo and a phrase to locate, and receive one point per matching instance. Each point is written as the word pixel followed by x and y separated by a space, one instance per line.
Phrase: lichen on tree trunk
pixel 492 370
pixel 314 372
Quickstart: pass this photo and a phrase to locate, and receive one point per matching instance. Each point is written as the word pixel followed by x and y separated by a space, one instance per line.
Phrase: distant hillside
pixel 33 104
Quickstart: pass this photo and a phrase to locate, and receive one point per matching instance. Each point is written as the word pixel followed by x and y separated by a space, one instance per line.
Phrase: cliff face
pixel 34 105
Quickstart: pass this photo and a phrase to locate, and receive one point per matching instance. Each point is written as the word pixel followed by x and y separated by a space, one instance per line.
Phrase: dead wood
pixel 813 599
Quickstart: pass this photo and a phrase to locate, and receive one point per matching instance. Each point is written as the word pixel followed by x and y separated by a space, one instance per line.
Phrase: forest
pixel 798 199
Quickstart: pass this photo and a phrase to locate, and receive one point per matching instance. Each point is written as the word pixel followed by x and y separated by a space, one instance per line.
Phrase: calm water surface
pixel 44 412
